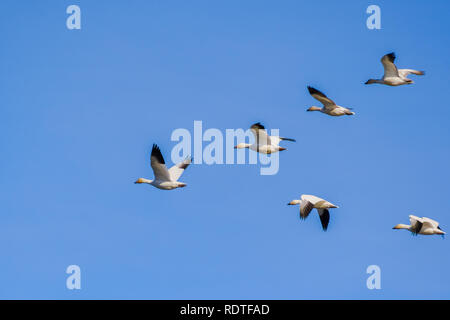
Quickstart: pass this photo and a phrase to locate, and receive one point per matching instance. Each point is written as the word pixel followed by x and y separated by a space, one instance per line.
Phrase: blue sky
pixel 80 110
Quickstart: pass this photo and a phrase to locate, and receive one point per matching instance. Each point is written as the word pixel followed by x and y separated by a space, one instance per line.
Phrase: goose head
pixel 401 226
pixel 314 108
pixel 142 180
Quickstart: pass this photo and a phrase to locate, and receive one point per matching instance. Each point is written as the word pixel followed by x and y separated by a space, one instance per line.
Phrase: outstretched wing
pixel 390 70
pixel 327 102
pixel 177 170
pixel 316 94
pixel 305 208
pixel 158 165
pixel 324 216
pixel 427 222
pixel 275 140
pixel 405 72
pixel 260 133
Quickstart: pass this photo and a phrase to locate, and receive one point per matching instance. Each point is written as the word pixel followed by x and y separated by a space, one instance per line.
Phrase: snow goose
pixel 263 142
pixel 165 179
pixel 329 107
pixel 422 225
pixel 309 202
pixel 393 76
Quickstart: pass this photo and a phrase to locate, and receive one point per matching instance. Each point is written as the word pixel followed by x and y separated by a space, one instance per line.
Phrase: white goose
pixel 309 202
pixel 165 179
pixel 263 142
pixel 393 76
pixel 329 107
pixel 423 225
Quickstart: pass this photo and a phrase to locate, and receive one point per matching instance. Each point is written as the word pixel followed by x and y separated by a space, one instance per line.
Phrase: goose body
pixel 393 76
pixel 309 202
pixel 263 142
pixel 424 225
pixel 329 107
pixel 165 179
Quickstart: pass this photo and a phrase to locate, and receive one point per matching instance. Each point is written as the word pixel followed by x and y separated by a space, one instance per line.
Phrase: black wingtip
pixel 391 56
pixel 257 125
pixel 313 90
pixel 155 148
pixel 156 152
pixel 324 218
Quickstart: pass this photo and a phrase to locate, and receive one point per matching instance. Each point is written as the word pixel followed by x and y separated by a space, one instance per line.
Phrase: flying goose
pixel 329 107
pixel 423 225
pixel 309 202
pixel 165 179
pixel 263 142
pixel 393 76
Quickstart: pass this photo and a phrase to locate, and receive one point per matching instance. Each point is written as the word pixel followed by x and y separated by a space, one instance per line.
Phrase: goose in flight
pixel 309 202
pixel 263 142
pixel 165 179
pixel 393 76
pixel 423 225
pixel 329 107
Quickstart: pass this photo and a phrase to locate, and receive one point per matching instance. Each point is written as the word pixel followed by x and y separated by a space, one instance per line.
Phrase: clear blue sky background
pixel 80 110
